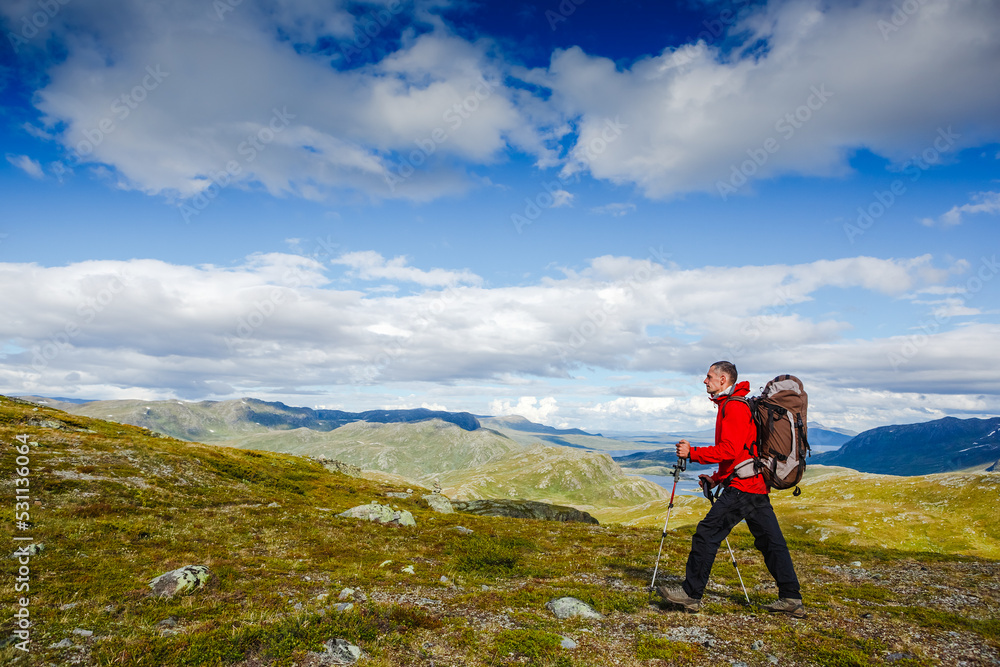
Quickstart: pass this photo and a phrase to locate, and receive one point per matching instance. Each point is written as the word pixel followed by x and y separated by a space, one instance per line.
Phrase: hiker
pixel 741 499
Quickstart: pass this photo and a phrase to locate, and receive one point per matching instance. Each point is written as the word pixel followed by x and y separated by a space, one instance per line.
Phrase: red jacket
pixel 733 436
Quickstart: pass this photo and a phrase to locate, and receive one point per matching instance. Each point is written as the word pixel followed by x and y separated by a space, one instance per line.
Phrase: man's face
pixel 715 381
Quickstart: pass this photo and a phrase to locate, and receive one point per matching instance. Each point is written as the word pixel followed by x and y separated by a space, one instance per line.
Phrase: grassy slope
pixel 946 513
pixel 118 507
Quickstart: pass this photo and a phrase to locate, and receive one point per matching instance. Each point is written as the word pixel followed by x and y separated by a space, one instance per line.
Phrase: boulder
pixel 522 509
pixel 380 514
pixel 438 503
pixel 182 580
pixel 570 607
pixel 338 652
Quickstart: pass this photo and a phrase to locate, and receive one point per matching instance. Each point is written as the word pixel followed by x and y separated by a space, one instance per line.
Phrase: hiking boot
pixel 677 596
pixel 790 606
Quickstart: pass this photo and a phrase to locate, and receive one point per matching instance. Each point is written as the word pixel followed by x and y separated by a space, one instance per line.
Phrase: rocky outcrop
pixel 522 509
pixel 438 503
pixel 380 514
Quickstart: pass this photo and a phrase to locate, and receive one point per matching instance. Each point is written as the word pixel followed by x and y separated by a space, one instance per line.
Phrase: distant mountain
pixel 528 432
pixel 942 445
pixel 519 423
pixel 212 421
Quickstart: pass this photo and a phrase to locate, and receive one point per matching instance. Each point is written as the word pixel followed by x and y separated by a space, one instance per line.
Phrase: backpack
pixel 780 449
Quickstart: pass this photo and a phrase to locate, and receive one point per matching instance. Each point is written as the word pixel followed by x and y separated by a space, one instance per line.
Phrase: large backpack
pixel 780 450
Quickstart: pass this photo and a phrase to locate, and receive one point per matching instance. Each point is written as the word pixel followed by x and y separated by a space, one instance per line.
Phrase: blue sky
pixel 565 210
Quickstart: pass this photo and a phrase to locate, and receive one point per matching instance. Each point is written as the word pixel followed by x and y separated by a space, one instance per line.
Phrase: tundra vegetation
pixel 896 570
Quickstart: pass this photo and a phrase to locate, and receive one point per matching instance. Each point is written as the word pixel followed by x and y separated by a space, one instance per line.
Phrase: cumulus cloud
pixel 174 99
pixel 541 411
pixel 370 265
pixel 982 202
pixel 276 325
pixel 178 101
pixel 27 165
pixel 807 84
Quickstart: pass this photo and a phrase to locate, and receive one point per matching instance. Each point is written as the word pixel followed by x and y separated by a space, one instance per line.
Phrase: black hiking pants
pixel 730 508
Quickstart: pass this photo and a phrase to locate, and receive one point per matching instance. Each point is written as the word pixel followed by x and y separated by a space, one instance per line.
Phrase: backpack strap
pixel 750 449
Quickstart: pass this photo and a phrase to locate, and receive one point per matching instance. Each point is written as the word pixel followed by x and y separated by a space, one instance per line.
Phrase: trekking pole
pixel 679 467
pixel 711 499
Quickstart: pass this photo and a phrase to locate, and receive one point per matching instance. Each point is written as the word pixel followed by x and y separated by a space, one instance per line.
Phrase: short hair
pixel 727 368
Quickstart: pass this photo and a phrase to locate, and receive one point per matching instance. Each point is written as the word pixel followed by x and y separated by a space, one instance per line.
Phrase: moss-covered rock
pixel 183 580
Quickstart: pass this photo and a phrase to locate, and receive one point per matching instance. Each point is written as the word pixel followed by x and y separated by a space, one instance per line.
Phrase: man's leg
pixel 771 543
pixel 727 511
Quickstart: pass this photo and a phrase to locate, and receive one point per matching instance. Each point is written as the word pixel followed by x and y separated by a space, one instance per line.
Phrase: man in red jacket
pixel 743 498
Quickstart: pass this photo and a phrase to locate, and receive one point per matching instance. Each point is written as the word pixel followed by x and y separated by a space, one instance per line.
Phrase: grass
pixel 118 506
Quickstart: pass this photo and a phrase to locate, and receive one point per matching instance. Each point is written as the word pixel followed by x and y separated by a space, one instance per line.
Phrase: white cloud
pixel 370 265
pixel 982 202
pixel 188 100
pixel 26 164
pixel 616 209
pixel 826 82
pixel 541 411
pixel 276 326
pixel 174 99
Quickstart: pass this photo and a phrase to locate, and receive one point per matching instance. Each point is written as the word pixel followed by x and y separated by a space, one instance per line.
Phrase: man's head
pixel 721 375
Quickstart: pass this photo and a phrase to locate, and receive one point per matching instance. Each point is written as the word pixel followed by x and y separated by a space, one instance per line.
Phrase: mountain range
pixel 462 441
pixel 941 445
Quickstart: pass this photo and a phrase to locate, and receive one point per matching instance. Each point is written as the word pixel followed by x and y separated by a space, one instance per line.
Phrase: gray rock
pixel 464 530
pixel 380 514
pixel 757 645
pixel 438 503
pixel 397 494
pixel 338 652
pixel 346 594
pixel 66 643
pixel 82 633
pixel 567 643
pixel 343 606
pixel 522 509
pixel 569 607
pixel 180 581
pixel 68 606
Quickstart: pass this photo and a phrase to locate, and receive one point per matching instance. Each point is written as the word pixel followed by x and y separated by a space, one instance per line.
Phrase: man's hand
pixel 705 482
pixel 683 449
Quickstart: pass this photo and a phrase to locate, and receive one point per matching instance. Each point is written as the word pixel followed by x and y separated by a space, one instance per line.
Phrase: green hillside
pixel 115 506
pixel 468 464
pixel 942 513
